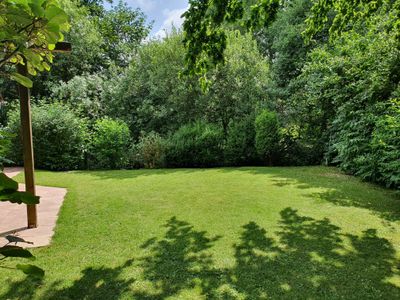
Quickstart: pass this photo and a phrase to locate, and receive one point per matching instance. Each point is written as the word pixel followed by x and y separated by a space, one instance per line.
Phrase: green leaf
pixel 31 270
pixel 18 197
pixel 52 33
pixel 23 80
pixel 46 66
pixel 15 251
pixel 56 15
pixel 19 17
pixel 7 183
pixel 37 9
pixel 33 57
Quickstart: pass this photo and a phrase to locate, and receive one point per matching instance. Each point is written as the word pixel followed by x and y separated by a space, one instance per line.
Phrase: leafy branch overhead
pixel 29 30
pixel 19 252
pixel 9 192
pixel 340 15
pixel 206 21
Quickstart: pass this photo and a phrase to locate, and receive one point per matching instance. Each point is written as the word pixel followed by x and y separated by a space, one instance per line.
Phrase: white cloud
pixel 145 5
pixel 172 19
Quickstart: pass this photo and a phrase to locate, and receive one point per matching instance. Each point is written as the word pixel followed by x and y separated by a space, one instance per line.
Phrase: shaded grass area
pixel 231 233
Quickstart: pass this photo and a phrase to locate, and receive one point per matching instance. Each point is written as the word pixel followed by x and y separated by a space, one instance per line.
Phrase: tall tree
pixel 100 41
pixel 205 39
pixel 123 29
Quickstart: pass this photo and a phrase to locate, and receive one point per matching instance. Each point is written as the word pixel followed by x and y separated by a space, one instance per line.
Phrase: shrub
pixel 109 144
pixel 295 151
pixel 385 147
pixel 5 145
pixel 267 136
pixel 5 109
pixel 239 147
pixel 84 93
pixel 368 144
pixel 59 137
pixel 149 151
pixel 195 145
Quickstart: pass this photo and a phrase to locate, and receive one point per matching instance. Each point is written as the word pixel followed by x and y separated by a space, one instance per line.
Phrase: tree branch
pixel 7 58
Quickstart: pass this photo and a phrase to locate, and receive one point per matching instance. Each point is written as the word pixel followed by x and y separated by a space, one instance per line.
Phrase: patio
pixel 13 216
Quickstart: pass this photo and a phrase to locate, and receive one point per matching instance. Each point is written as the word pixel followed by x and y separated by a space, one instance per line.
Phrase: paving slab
pixel 13 171
pixel 13 217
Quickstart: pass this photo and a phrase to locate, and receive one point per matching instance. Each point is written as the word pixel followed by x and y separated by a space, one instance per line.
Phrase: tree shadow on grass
pixel 23 289
pixel 388 208
pixel 94 284
pixel 309 259
pixel 304 258
pixel 177 262
pixel 340 189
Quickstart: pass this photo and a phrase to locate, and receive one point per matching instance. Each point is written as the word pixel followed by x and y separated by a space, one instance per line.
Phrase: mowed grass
pixel 230 233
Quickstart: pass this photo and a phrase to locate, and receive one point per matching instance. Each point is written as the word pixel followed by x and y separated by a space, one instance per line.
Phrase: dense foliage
pixel 240 142
pixel 59 137
pixel 282 82
pixel 29 30
pixel 5 145
pixel 334 75
pixel 349 88
pixel 149 152
pixel 195 145
pixel 109 143
pixel 267 136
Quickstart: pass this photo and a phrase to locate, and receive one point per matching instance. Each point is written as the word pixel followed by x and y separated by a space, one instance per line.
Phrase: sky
pixel 164 13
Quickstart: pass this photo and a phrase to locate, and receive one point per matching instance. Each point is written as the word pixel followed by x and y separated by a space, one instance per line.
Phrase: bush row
pixel 64 141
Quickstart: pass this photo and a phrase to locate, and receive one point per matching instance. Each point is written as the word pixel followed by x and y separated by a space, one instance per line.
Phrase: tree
pixel 245 74
pixel 204 27
pixel 154 94
pixel 87 55
pixel 122 29
pixel 95 7
pixel 267 136
pixel 204 24
pixel 101 41
pixel 151 94
pixel 341 15
pixel 29 30
pixel 348 92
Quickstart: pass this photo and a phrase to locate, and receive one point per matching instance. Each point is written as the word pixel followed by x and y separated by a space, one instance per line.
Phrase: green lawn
pixel 231 233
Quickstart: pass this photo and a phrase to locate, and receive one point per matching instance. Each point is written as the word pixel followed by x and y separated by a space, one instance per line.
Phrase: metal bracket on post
pixel 26 129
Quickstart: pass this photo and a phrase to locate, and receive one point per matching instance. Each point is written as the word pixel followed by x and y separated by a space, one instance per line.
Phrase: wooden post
pixel 26 129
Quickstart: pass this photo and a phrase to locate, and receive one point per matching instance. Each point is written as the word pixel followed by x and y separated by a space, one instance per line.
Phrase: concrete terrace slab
pixel 13 216
pixel 13 171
